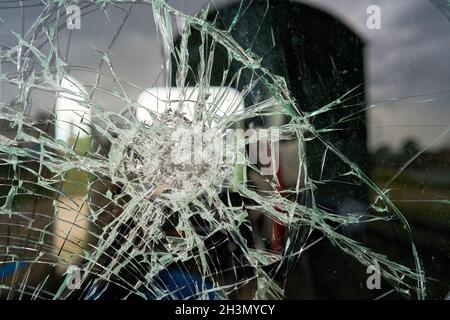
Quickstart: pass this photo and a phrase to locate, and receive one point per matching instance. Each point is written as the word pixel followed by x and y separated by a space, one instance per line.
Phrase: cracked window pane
pixel 224 149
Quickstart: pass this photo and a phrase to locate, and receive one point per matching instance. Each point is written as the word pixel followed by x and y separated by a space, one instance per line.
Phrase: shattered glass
pixel 121 181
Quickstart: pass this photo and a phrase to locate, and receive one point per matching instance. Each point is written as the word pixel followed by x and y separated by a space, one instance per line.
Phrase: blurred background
pixel 403 143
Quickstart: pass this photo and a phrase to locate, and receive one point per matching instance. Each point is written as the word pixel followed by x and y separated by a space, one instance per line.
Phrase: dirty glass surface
pixel 224 149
